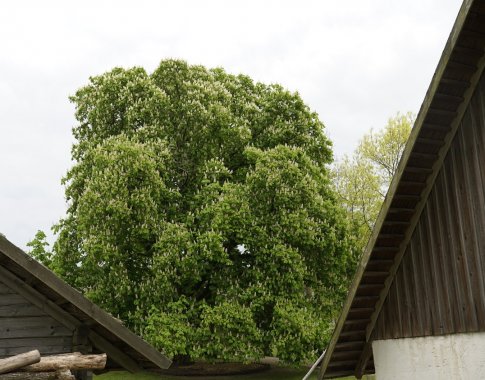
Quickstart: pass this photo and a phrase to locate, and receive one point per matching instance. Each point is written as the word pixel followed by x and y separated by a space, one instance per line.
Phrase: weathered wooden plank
pixel 477 183
pixel 438 285
pixel 474 220
pixel 38 299
pixel 80 340
pixel 472 321
pixel 45 350
pixel 35 327
pixel 446 224
pixel 12 299
pixel 51 341
pixel 20 310
pixel 441 260
pixel 4 289
pixel 409 302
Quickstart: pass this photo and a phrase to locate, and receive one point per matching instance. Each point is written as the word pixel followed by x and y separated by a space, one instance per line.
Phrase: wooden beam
pixel 435 127
pixel 38 299
pixel 80 340
pixel 412 183
pixel 443 112
pixel 418 170
pixel 395 223
pixel 424 156
pixel 397 210
pixel 362 363
pixel 423 140
pixel 114 352
pixel 407 197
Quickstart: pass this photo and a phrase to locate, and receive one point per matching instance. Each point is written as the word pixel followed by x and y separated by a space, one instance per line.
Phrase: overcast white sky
pixel 355 62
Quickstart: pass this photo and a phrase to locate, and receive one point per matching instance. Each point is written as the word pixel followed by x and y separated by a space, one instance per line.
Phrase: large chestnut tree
pixel 201 213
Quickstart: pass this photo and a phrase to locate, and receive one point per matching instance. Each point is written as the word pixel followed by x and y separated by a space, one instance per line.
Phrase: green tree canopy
pixel 201 213
pixel 362 180
pixel 39 248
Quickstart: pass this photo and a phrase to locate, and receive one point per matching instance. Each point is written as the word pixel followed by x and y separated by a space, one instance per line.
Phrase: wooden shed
pixel 40 311
pixel 416 307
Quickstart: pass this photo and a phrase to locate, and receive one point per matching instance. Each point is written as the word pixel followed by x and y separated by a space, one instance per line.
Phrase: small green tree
pixel 384 149
pixel 202 214
pixel 40 249
pixel 362 180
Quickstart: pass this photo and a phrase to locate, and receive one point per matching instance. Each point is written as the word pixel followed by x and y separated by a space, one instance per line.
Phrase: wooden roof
pixel 446 101
pixel 105 333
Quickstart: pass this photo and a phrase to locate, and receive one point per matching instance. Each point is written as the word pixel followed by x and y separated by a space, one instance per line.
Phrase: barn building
pixel 416 307
pixel 40 311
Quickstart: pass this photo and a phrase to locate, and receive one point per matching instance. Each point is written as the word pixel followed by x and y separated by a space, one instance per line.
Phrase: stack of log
pixel 31 365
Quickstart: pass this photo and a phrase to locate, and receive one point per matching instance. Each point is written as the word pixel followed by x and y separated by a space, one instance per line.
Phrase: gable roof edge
pixel 437 77
pixel 107 321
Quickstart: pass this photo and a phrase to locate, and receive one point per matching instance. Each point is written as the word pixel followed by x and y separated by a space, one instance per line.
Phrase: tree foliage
pixel 39 248
pixel 201 213
pixel 362 180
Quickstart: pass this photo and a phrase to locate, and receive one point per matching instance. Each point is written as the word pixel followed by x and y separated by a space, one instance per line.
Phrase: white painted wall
pixel 457 357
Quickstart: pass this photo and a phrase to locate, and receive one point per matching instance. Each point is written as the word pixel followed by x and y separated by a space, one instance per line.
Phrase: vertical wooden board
pixel 398 298
pixel 444 263
pixel 478 137
pixel 392 314
pixel 475 217
pixel 448 247
pixel 382 323
pixel 414 286
pixel 454 247
pixel 430 280
pixel 434 272
pixel 472 323
pixel 425 293
pixel 465 228
pixel 410 321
